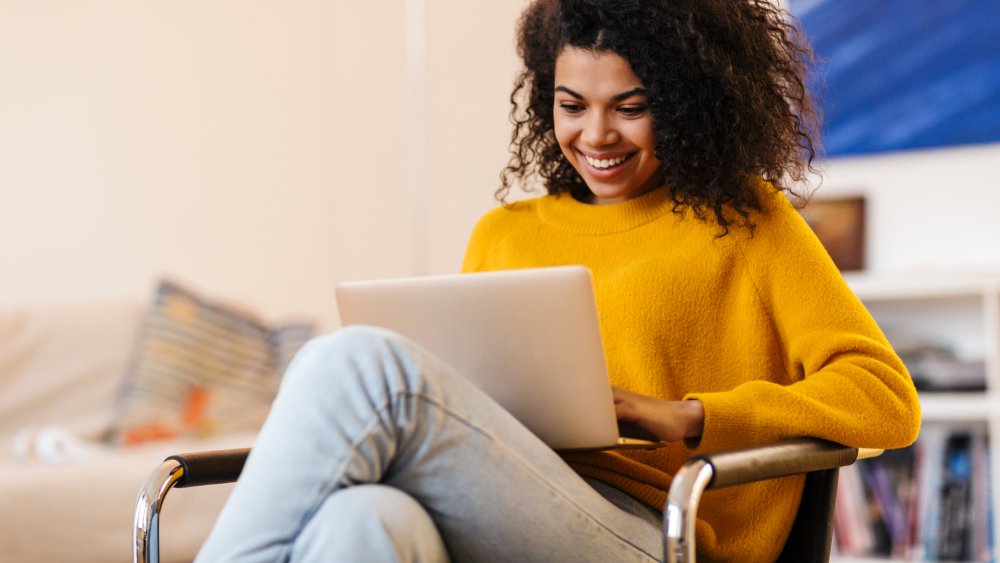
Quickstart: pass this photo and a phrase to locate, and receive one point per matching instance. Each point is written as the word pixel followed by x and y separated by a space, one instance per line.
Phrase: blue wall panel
pixel 905 74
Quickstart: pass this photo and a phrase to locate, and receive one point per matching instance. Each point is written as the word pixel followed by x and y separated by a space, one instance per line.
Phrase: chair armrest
pixel 736 467
pixel 790 457
pixel 181 470
pixel 210 468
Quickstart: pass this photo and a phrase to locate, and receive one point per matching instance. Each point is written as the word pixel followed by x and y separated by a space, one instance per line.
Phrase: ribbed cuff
pixel 729 423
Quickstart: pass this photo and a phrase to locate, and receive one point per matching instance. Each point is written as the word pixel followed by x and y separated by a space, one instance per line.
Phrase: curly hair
pixel 725 80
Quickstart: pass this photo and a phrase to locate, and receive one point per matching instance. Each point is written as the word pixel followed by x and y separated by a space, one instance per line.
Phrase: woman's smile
pixel 606 162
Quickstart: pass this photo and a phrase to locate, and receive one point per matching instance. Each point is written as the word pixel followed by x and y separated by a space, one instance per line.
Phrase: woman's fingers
pixel 668 420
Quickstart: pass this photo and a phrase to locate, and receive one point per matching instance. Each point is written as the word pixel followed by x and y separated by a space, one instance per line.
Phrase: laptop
pixel 529 338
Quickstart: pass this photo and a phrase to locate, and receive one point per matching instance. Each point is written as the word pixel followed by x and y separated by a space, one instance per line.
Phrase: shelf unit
pixel 964 314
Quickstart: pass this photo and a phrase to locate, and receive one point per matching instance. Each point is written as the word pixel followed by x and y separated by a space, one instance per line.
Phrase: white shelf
pixel 958 313
pixel 899 287
pixel 943 407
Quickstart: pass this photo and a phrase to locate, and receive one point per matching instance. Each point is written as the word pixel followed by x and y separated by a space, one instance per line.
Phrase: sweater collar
pixel 566 213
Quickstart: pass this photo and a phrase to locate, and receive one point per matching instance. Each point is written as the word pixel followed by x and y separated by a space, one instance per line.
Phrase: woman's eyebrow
pixel 568 91
pixel 637 91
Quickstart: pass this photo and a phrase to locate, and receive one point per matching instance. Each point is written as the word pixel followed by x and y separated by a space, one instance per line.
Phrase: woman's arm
pixel 841 379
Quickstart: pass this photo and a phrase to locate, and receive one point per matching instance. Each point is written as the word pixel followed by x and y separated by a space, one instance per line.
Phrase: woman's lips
pixel 604 163
pixel 606 166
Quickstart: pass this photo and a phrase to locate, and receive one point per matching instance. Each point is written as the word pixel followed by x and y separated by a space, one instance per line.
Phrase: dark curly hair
pixel 725 80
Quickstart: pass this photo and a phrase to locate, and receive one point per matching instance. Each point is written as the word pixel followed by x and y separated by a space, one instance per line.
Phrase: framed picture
pixel 840 225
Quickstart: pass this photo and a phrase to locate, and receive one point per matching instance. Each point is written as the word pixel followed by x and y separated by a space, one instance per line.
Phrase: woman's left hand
pixel 669 421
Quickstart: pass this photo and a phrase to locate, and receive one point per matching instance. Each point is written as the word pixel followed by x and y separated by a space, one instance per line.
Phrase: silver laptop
pixel 529 338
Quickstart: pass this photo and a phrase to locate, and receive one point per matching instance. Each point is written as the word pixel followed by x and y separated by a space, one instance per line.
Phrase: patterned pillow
pixel 200 368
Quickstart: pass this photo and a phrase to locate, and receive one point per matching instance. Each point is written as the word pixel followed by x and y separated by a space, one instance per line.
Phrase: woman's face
pixel 604 126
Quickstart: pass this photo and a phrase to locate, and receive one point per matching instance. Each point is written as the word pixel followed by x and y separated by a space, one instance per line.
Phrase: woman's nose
pixel 598 131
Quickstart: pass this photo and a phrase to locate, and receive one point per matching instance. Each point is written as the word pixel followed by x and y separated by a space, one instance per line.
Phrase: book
pixel 930 501
pixel 955 499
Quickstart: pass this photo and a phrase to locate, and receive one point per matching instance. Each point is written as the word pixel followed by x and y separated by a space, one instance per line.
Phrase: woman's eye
pixel 632 111
pixel 570 107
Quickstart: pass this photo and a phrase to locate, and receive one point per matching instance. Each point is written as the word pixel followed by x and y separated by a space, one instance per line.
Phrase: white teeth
pixel 605 163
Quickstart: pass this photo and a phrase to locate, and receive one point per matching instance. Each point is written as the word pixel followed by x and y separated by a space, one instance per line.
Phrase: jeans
pixel 375 450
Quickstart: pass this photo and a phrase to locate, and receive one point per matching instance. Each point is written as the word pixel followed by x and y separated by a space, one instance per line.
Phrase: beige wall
pixel 264 151
pixel 471 65
pixel 256 150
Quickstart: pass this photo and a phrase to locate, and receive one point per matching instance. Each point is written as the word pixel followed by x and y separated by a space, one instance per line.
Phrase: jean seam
pixel 341 465
pixel 515 455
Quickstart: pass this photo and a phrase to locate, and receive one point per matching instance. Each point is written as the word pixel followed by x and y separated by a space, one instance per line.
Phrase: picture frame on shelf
pixel 839 223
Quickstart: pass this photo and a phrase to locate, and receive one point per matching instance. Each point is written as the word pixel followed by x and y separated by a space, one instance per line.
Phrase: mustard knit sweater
pixel 760 327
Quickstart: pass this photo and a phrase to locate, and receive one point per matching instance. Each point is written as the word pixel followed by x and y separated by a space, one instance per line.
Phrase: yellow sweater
pixel 761 329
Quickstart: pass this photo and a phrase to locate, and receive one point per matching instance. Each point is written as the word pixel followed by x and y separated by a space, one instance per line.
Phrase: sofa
pixel 66 492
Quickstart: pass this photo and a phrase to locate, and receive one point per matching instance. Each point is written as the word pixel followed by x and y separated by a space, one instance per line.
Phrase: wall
pixel 929 212
pixel 257 151
pixel 265 151
pixel 471 65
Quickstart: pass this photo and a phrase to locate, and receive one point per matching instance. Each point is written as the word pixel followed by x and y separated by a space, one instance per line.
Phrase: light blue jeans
pixel 375 450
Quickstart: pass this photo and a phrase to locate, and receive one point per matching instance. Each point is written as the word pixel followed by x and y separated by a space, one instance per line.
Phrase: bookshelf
pixel 947 329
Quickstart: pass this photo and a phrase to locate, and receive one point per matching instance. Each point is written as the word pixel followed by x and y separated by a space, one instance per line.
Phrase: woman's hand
pixel 669 421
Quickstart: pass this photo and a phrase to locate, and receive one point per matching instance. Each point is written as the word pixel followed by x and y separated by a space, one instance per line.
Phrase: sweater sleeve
pixel 480 242
pixel 847 384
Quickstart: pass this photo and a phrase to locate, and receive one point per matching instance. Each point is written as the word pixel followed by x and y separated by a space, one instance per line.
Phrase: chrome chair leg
pixel 682 507
pixel 146 519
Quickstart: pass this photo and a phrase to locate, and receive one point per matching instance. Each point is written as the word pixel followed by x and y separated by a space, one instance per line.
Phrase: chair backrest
pixel 812 531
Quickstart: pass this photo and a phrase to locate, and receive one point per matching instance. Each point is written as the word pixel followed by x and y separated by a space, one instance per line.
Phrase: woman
pixel 665 133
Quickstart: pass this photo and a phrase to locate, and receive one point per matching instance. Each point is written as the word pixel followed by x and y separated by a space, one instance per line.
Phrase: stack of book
pixel 926 502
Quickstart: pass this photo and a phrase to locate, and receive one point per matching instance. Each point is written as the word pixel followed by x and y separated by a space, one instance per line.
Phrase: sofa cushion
pixel 201 368
pixel 62 364
pixel 90 504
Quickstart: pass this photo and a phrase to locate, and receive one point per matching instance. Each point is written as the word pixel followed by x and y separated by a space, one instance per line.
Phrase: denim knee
pixel 352 339
pixel 382 506
pixel 355 346
pixel 371 523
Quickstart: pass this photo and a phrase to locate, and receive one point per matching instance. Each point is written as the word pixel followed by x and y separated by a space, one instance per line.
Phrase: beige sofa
pixel 64 495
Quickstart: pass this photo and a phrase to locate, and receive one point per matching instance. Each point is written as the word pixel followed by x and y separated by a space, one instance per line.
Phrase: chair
pixel 809 540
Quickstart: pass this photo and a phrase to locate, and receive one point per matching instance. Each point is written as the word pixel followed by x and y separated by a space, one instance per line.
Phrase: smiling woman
pixel 666 133
pixel 723 82
pixel 604 126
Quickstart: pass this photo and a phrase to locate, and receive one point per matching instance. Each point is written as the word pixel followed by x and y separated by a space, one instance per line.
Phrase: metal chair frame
pixel 811 533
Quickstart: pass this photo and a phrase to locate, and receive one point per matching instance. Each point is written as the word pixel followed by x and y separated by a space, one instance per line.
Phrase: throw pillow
pixel 200 368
